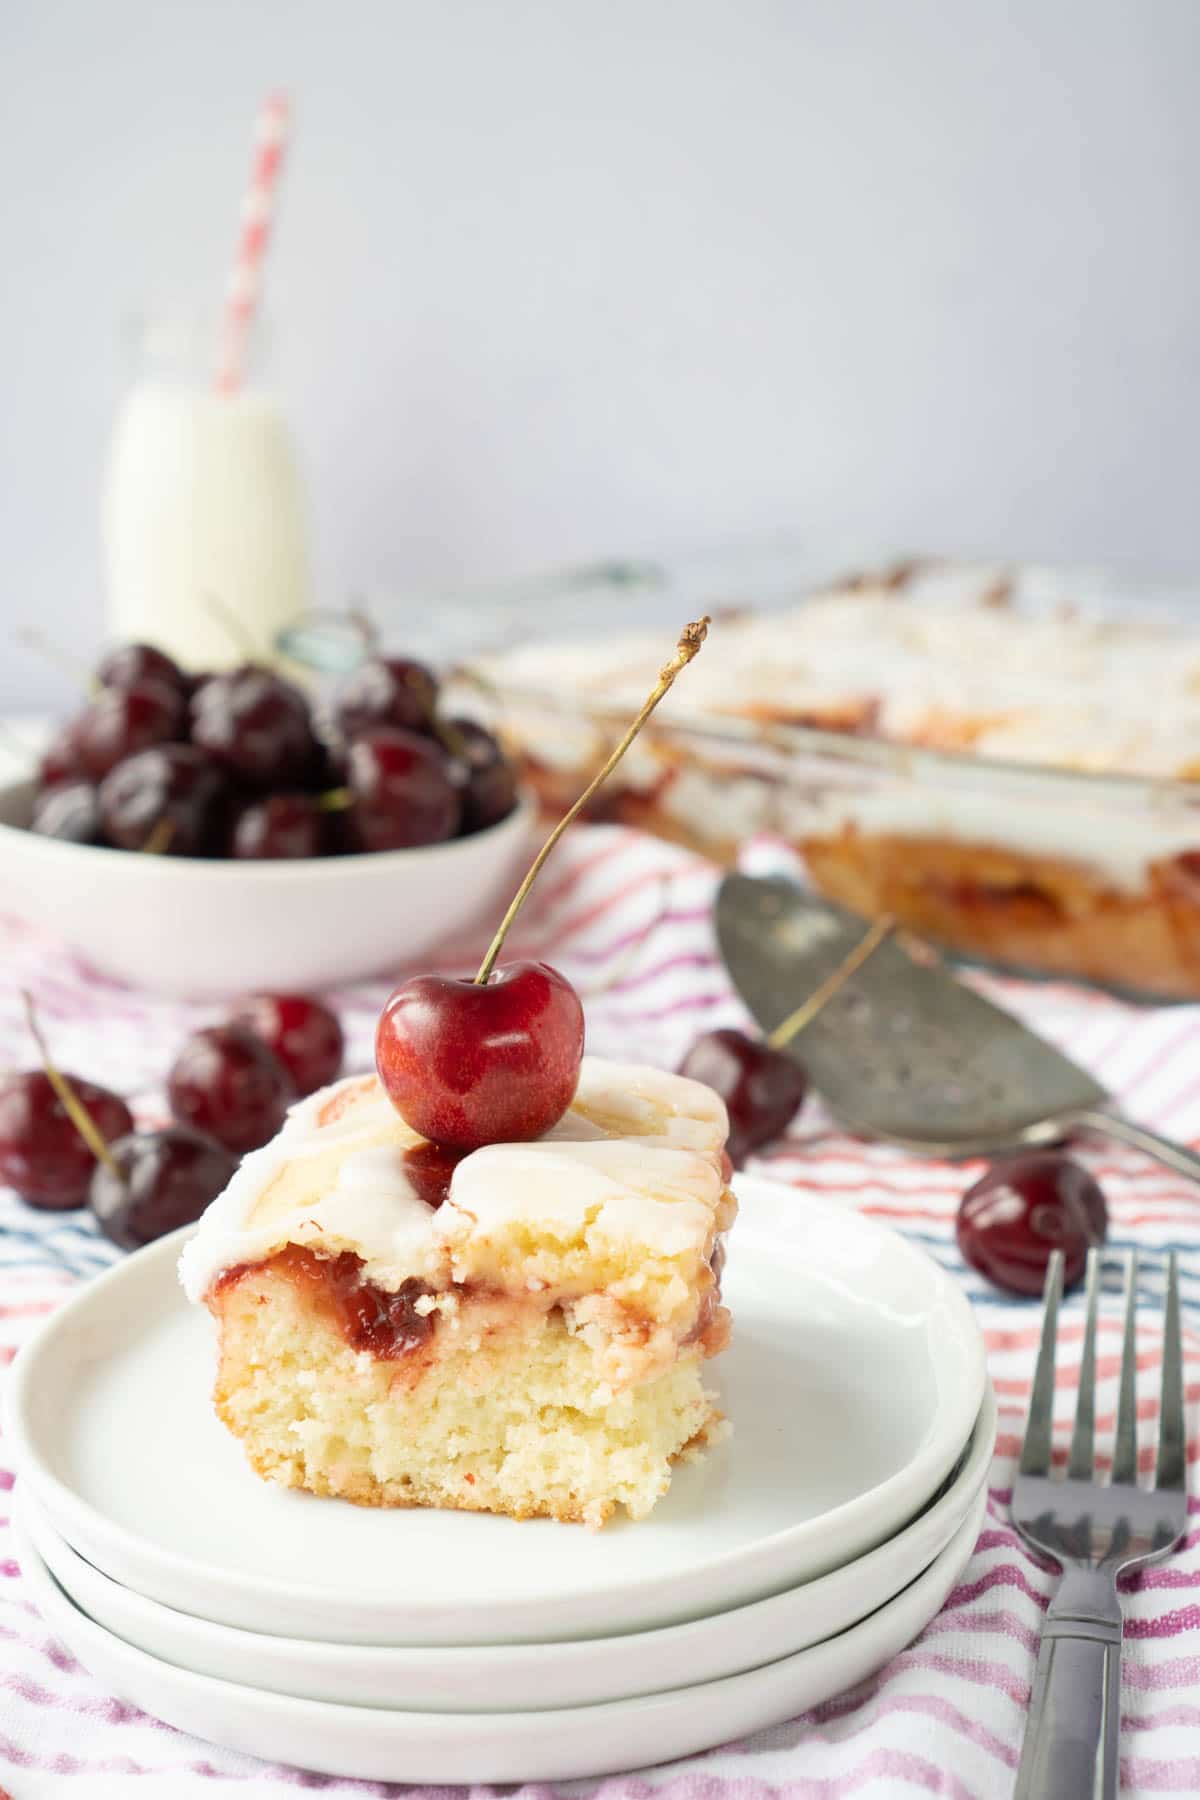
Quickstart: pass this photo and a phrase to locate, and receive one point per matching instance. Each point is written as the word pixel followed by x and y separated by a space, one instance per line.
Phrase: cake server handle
pixel 1126 1131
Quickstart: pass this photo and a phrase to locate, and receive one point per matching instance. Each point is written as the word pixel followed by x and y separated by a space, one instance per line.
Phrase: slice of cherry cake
pixel 519 1331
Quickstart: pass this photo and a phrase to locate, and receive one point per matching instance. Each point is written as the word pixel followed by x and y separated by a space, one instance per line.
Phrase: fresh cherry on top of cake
pixel 304 1034
pixel 256 725
pixel 155 1181
pixel 496 1059
pixel 763 1088
pixel 387 690
pixel 42 1154
pixel 228 1083
pixel 469 1063
pixel 1023 1208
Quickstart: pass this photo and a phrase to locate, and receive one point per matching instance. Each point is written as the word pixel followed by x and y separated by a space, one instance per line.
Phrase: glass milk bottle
pixel 203 511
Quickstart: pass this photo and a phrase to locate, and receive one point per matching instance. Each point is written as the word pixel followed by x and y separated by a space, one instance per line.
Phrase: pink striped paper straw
pixel 258 210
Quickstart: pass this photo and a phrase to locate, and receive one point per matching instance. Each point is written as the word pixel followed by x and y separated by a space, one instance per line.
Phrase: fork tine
pixel 1035 1451
pixel 1083 1438
pixel 1172 1446
pixel 1125 1446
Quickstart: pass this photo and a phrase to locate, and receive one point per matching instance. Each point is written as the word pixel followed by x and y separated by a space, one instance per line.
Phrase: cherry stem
pixel 62 659
pixel 820 997
pixel 334 800
pixel 476 679
pixel 72 1105
pixel 160 837
pixel 451 739
pixel 235 630
pixel 690 640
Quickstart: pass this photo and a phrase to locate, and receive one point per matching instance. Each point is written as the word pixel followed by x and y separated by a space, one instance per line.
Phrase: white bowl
pixel 181 925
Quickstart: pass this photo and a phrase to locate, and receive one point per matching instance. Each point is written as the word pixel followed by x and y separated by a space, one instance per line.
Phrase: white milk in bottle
pixel 202 503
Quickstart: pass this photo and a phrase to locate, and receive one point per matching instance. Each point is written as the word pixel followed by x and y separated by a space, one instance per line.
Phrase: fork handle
pixel 1072 1737
pixel 1163 1150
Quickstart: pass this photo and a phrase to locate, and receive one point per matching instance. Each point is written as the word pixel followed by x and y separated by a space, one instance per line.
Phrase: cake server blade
pixel 903 1051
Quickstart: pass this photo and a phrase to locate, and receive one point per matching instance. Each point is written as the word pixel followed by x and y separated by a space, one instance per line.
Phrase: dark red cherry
pixel 279 826
pixel 402 792
pixel 166 1180
pixel 120 722
pixel 70 812
pixel 42 1155
pixel 304 1035
pixel 257 726
pixel 228 1083
pixel 130 664
pixel 468 1063
pixel 387 690
pixel 483 774
pixel 171 798
pixel 429 1169
pixel 1023 1208
pixel 60 761
pixel 763 1089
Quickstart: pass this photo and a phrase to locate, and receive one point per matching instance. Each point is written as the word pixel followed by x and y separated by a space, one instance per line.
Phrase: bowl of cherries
pixel 203 834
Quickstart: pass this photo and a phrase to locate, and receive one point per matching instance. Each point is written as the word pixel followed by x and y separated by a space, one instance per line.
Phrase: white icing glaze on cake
pixel 632 1172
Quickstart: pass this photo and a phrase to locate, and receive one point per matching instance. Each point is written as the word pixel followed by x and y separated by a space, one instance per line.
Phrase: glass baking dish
pixel 1066 871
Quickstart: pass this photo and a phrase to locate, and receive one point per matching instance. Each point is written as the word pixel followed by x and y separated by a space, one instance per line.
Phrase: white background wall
pixel 564 277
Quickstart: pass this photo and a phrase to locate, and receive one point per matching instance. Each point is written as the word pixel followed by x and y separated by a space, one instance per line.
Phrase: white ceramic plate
pixel 510 1678
pixel 854 1380
pixel 373 1743
pixel 182 925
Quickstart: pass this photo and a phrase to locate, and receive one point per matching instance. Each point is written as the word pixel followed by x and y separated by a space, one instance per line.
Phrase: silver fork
pixel 1095 1532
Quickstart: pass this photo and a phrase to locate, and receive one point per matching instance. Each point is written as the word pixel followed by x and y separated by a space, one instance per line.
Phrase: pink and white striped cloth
pixel 946 1716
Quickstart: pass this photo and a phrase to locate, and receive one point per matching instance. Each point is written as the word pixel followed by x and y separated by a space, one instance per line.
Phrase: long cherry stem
pixel 62 659
pixel 820 997
pixel 690 640
pixel 71 1104
pixel 238 633
pixel 160 839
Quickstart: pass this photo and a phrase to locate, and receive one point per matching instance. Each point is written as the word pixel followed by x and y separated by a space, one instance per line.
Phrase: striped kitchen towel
pixel 627 919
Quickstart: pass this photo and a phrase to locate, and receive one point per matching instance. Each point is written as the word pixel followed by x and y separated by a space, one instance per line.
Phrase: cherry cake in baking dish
pixel 1028 792
pixel 521 1329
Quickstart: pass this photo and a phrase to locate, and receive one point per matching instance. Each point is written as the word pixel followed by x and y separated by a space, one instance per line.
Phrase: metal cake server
pixel 904 1051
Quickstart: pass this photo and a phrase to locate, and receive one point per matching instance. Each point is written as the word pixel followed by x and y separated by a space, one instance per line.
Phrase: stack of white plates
pixel 447 1647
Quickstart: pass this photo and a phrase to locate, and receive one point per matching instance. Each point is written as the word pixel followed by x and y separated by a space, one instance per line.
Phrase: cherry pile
pixel 237 765
pixel 228 1089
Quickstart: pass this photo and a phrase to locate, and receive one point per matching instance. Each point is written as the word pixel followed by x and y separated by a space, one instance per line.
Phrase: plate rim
pixel 293 1654
pixel 519 1731
pixel 81 1521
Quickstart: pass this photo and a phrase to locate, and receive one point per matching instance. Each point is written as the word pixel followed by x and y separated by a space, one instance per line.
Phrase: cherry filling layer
pixel 387 1325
